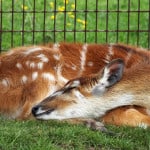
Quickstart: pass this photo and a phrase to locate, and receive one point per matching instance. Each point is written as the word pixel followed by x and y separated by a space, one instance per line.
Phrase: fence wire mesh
pixel 24 22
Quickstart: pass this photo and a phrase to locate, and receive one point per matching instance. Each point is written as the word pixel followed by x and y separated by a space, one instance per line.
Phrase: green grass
pixel 29 19
pixel 46 135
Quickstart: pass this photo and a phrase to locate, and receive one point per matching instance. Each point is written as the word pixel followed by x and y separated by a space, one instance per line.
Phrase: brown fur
pixel 22 97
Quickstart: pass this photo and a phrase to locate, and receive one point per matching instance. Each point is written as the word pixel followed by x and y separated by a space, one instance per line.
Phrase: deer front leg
pixel 90 123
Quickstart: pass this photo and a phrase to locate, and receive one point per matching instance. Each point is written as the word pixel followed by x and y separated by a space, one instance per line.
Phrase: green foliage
pixel 81 21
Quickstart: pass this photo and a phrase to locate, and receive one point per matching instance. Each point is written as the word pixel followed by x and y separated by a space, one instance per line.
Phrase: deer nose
pixel 34 110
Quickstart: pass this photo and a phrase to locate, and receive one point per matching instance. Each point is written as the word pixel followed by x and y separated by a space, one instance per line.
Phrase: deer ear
pixel 113 72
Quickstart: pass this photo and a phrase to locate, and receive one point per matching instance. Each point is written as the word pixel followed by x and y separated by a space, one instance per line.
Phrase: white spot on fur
pixel 48 76
pixel 90 64
pixel 74 67
pixel 19 66
pixel 40 65
pixel 34 76
pixel 32 65
pixel 83 58
pixel 110 52
pixel 5 82
pixel 31 50
pixel 24 79
pixel 43 58
pixel 56 56
pixel 27 63
pixel 56 46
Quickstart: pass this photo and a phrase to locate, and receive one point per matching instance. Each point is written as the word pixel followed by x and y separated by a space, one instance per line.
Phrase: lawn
pixel 46 135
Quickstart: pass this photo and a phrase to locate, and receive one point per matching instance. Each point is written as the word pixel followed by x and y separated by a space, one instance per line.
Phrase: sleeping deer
pixel 93 96
pixel 30 74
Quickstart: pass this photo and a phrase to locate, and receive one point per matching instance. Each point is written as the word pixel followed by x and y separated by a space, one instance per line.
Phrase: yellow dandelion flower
pixel 52 17
pixel 68 24
pixel 71 16
pixel 66 1
pixel 69 13
pixel 51 4
pixel 24 7
pixel 79 20
pixel 73 6
pixel 62 8
pixel 84 22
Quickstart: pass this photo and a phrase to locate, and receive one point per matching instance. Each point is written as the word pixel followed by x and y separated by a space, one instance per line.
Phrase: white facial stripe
pixel 32 49
pixel 34 75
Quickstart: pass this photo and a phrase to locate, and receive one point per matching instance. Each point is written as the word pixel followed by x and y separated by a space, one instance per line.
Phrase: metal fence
pixel 24 22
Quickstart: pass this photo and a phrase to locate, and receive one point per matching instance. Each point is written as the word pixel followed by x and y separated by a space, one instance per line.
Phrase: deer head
pixel 79 97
